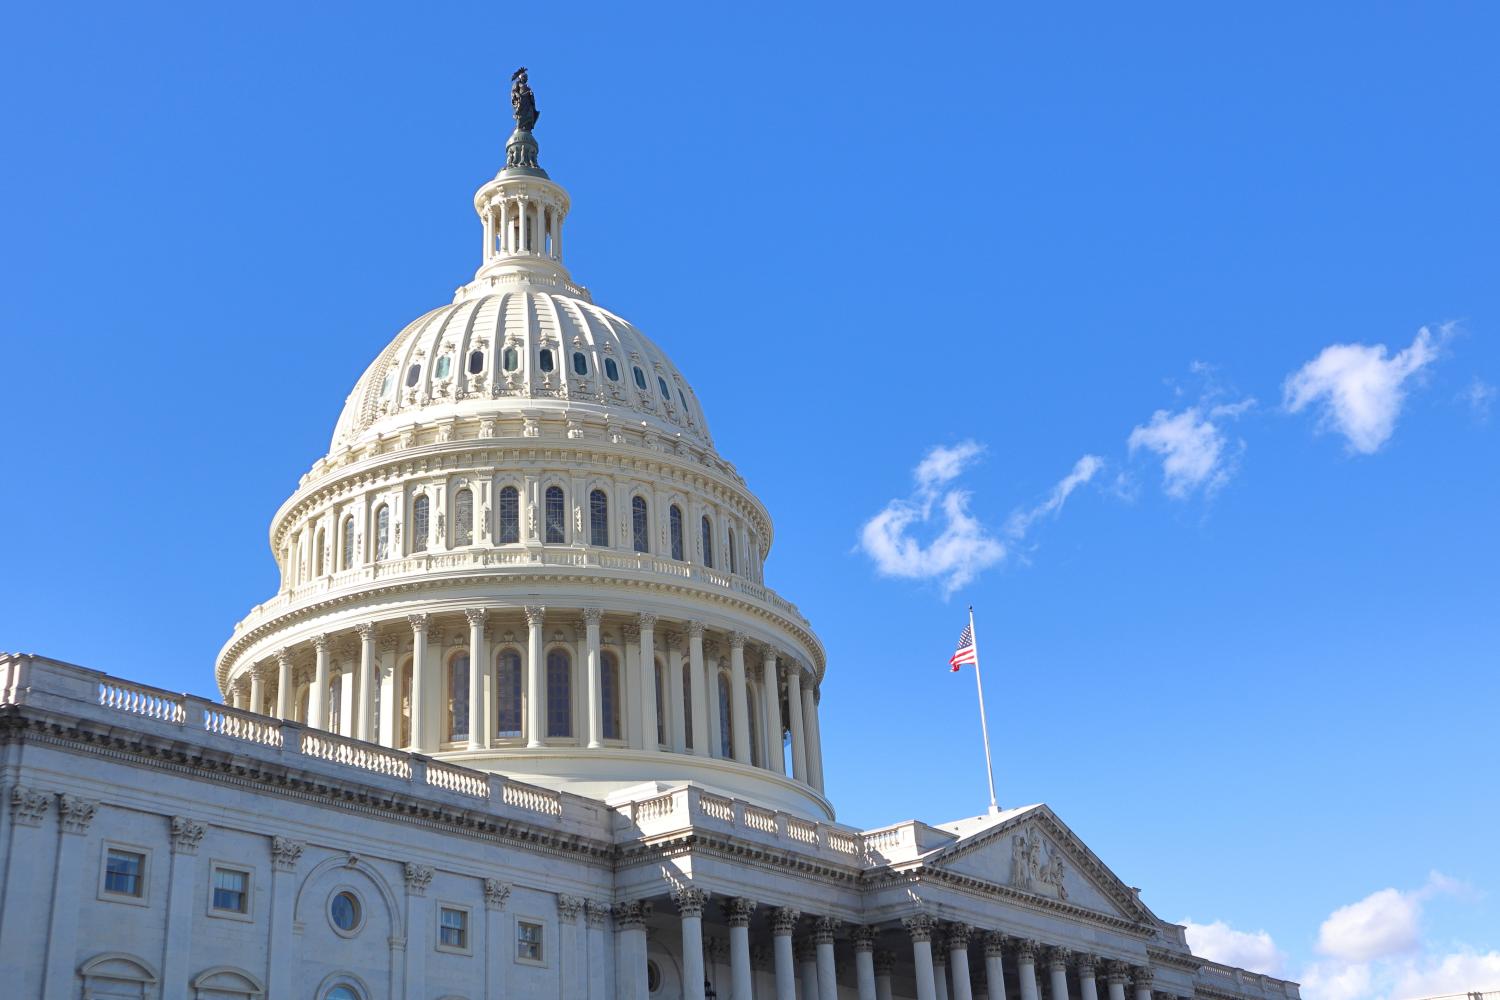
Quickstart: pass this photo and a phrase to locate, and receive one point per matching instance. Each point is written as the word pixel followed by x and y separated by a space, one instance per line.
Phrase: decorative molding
pixel 28 807
pixel 418 877
pixel 186 833
pixel 74 814
pixel 285 854
pixel 496 893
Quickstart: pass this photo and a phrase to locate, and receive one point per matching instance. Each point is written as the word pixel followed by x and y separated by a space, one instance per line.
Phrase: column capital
pixel 496 893
pixel 939 949
pixel 1085 965
pixel 568 908
pixel 185 835
pixel 770 651
pixel 994 944
pixel 284 657
pixel 28 806
pixel 689 900
pixel 418 622
pixel 418 877
pixel 75 814
pixel 1142 976
pixel 863 936
pixel 320 641
pixel 738 910
pixel 632 916
pixel 1026 950
pixel 920 926
pixel 737 640
pixel 958 936
pixel 1118 973
pixel 595 912
pixel 784 920
pixel 695 630
pixel 647 620
pixel 366 631
pixel 476 616
pixel 535 614
pixel 1057 959
pixel 592 617
pixel 284 854
pixel 824 929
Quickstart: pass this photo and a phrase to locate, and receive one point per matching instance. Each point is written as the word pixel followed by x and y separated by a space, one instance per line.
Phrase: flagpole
pixel 984 726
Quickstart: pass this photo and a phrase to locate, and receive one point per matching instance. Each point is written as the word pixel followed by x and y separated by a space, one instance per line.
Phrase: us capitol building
pixel 522 720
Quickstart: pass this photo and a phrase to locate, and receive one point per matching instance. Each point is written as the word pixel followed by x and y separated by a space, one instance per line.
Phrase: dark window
pixel 640 378
pixel 463 517
pixel 231 890
pixel 726 719
pixel 687 704
pixel 556 516
pixel 419 508
pixel 123 871
pixel 509 359
pixel 598 518
pixel 508 715
pixel 344 911
pixel 661 719
pixel 412 374
pixel 546 359
pixel 733 562
pixel 580 363
pixel 674 516
pixel 559 694
pixel 609 694
pixel 666 394
pixel 458 697
pixel 708 542
pixel 510 515
pixel 611 369
pixel 640 526
pixel 476 362
pixel 682 397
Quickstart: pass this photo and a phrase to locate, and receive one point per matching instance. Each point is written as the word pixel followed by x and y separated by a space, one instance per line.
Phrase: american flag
pixel 965 652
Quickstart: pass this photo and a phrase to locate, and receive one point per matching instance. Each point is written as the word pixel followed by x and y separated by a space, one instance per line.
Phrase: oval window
pixel 640 377
pixel 344 911
pixel 385 387
pixel 611 369
pixel 509 359
pixel 546 360
pixel 412 374
pixel 666 394
pixel 580 363
pixel 476 362
pixel 444 366
pixel 682 397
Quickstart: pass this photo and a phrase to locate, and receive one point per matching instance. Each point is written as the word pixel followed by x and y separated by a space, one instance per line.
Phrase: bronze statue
pixel 522 101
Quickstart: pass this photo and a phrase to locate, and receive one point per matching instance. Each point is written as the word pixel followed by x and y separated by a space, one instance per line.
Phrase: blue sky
pixel 1262 687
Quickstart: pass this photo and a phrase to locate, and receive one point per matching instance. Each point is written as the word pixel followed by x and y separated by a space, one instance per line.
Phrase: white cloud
pixel 1358 391
pixel 1084 470
pixel 1253 950
pixel 1456 972
pixel 1384 923
pixel 1193 447
pixel 962 549
pixel 1480 396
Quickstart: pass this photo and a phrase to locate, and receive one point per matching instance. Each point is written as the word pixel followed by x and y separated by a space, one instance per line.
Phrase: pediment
pixel 1031 851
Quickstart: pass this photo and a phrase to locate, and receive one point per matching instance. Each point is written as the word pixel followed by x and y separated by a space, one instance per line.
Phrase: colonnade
pixel 523 224
pixel 804 959
pixel 628 679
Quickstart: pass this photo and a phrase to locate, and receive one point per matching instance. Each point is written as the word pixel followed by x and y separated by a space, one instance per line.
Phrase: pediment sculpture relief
pixel 1036 866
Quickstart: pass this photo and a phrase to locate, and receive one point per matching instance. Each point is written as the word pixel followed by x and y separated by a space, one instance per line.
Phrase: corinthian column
pixel 1119 972
pixel 1144 977
pixel 690 907
pixel 885 965
pixel 739 708
pixel 810 735
pixel 363 728
pixel 783 923
pixel 478 737
pixel 317 698
pixel 771 689
pixel 591 619
pixel 920 929
pixel 700 689
pixel 646 681
pixel 864 961
pixel 1057 965
pixel 828 977
pixel 994 965
pixel 1026 967
pixel 419 736
pixel 283 684
pixel 958 961
pixel 1086 988
pixel 258 689
pixel 676 695
pixel 799 738
pixel 535 692
pixel 738 911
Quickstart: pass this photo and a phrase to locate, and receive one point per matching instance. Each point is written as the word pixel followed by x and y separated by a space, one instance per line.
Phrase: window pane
pixel 529 941
pixel 708 543
pixel 230 890
pixel 609 694
pixel 458 697
pixel 382 532
pixel 444 366
pixel 412 374
pixel 509 360
pixel 640 378
pixel 344 911
pixel 611 369
pixel 559 694
pixel 556 516
pixel 476 362
pixel 675 517
pixel 347 557
pixel 733 563
pixel 387 382
pixel 463 517
pixel 666 394
pixel 546 360
pixel 510 515
pixel 598 518
pixel 419 510
pixel 508 711
pixel 453 928
pixel 726 719
pixel 687 704
pixel 661 719
pixel 640 527
pixel 580 363
pixel 122 872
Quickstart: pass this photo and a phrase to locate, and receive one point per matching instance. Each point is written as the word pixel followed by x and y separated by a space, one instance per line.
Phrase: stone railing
pixel 1227 980
pixel 83 694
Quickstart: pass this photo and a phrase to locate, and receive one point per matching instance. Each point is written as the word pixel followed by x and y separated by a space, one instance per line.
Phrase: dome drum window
pixel 580 363
pixel 443 367
pixel 556 516
pixel 412 375
pixel 640 527
pixel 463 517
pixel 476 362
pixel 611 369
pixel 544 360
pixel 510 359
pixel 598 519
pixel 419 521
pixel 510 516
pixel 640 378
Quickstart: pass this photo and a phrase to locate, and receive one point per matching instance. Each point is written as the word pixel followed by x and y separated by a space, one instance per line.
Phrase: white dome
pixel 517 350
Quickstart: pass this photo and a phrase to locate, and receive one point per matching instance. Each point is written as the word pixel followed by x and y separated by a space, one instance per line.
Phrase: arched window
pixel 733 561
pixel 463 517
pixel 319 542
pixel 640 525
pixel 419 509
pixel 674 517
pixel 666 394
pixel 557 518
pixel 580 363
pixel 342 992
pixel 609 694
pixel 346 558
pixel 611 369
pixel 559 694
pixel 510 515
pixel 640 378
pixel 708 542
pixel 687 704
pixel 509 359
pixel 476 362
pixel 382 532
pixel 412 374
pixel 752 700
pixel 726 719
pixel 458 697
pixel 545 360
pixel 598 518
pixel 661 704
pixel 508 694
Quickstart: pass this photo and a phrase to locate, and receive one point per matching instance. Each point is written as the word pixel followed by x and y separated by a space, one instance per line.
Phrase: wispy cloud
pixel 1194 449
pixel 1357 390
pixel 1480 397
pixel 1084 470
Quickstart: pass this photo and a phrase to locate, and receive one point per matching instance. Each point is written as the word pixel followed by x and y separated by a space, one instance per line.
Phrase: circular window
pixel 345 912
pixel 653 976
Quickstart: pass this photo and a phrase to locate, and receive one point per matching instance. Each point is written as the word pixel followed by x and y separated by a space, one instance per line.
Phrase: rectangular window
pixel 124 872
pixel 231 890
pixel 453 928
pixel 528 941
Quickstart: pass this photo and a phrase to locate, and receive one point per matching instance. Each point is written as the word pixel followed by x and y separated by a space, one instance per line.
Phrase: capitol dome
pixel 522 553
